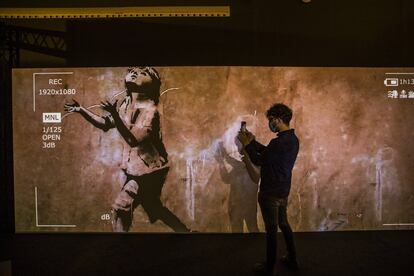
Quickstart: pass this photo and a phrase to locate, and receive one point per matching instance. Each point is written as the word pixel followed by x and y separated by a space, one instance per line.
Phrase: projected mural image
pixel 145 149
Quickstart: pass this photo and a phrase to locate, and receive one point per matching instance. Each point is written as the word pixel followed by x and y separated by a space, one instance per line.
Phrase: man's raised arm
pixel 255 151
pixel 253 171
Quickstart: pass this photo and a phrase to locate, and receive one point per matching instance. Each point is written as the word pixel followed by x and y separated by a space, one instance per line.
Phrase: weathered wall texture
pixel 354 168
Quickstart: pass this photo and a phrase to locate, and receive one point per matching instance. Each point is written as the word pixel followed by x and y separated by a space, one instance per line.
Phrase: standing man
pixel 276 161
pixel 144 158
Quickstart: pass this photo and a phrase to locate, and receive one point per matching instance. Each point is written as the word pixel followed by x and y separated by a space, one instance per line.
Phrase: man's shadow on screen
pixel 242 206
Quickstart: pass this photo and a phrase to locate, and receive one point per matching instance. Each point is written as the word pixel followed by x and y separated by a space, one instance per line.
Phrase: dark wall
pixel 6 153
pixel 284 32
pixel 371 33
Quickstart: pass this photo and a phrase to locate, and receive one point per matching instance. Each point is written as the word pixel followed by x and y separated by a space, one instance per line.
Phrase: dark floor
pixel 328 253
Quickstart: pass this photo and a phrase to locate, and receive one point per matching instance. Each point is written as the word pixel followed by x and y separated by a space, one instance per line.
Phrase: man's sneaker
pixel 290 262
pixel 262 269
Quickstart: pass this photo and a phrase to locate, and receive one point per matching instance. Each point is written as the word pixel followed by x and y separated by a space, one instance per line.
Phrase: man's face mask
pixel 272 125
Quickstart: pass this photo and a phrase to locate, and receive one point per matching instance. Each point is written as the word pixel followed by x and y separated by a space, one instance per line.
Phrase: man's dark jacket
pixel 276 161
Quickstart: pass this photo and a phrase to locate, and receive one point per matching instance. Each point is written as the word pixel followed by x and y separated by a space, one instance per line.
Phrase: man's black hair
pixel 280 111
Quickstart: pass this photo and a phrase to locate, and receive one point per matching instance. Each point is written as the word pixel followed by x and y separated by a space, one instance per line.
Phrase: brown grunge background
pixel 354 169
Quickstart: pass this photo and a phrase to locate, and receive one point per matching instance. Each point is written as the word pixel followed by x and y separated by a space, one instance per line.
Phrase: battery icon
pixel 391 82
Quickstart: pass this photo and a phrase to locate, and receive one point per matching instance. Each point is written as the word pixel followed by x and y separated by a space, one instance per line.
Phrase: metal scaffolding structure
pixel 15 38
pixel 12 40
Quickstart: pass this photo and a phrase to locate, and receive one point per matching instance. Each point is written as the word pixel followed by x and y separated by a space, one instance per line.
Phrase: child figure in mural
pixel 144 158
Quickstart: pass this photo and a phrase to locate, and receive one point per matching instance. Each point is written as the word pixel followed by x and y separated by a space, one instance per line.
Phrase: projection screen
pixel 75 165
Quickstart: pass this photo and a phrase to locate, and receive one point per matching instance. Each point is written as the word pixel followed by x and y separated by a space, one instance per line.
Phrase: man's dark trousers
pixel 274 212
